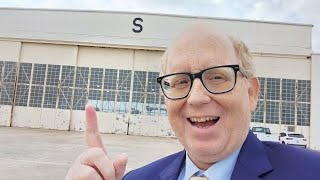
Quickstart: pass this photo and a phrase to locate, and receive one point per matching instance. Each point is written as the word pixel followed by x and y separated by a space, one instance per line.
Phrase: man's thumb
pixel 120 165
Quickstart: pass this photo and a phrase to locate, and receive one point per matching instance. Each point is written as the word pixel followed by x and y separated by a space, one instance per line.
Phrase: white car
pixel 293 138
pixel 264 134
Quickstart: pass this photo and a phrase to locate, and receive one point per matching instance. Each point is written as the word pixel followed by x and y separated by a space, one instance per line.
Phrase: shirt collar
pixel 220 170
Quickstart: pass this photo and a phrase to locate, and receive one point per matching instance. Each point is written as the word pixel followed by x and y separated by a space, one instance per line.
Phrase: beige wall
pixel 103 28
pixel 315 103
pixel 283 67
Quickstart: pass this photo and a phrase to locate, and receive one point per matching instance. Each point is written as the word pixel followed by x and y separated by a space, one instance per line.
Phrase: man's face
pixel 211 142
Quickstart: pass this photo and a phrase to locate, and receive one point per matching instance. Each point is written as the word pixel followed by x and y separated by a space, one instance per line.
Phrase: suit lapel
pixel 173 170
pixel 252 162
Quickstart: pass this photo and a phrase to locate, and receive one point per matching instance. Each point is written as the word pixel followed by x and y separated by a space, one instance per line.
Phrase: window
pixel 82 76
pixel 96 78
pixel 10 72
pixel 110 79
pixel 108 100
pixel 273 89
pixel 287 113
pixel 123 91
pixel 79 100
pixel 7 90
pixel 24 73
pixel 53 74
pixel 122 101
pixel 67 76
pixel 94 98
pixel 36 96
pixel 163 109
pixel 39 71
pixel 257 116
pixel 288 89
pixel 272 112
pixel 50 97
pixel 138 95
pixel 22 95
pixel 7 81
pixel 304 91
pixel 303 114
pixel 65 95
pixel 23 84
pixel 262 86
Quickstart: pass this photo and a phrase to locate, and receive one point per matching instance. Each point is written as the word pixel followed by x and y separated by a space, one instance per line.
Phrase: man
pixel 210 87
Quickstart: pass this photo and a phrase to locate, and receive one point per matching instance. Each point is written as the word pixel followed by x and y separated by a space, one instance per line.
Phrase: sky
pixel 291 11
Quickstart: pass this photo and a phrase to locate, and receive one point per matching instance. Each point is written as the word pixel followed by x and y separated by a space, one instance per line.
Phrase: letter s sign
pixel 137 25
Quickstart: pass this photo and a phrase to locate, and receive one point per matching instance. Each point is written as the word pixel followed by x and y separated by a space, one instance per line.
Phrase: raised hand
pixel 95 163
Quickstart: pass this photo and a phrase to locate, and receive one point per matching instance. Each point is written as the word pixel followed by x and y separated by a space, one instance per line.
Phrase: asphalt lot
pixel 47 154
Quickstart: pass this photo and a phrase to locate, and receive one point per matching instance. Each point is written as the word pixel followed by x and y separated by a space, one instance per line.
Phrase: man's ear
pixel 253 91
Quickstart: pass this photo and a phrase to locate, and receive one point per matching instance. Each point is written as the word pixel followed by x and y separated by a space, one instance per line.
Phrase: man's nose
pixel 198 94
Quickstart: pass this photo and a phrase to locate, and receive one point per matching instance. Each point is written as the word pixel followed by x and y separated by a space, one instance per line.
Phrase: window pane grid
pixel 50 97
pixel 152 105
pixel 96 78
pixel 273 89
pixel 38 75
pixel 82 75
pixel 67 76
pixel 53 74
pixel 304 91
pixel 36 96
pixel 262 87
pixel 272 112
pixel 303 114
pixel 65 95
pixel 124 80
pixel 79 100
pixel 163 109
pixel 7 91
pixel 137 103
pixel 287 113
pixel 288 90
pixel 257 116
pixel 22 95
pixel 24 73
pixel 122 101
pixel 108 101
pixel 153 86
pixel 94 98
pixel 110 79
pixel 10 72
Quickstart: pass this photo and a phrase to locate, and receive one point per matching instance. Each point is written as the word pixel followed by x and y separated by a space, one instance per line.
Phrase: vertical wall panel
pixel 9 56
pixel 41 87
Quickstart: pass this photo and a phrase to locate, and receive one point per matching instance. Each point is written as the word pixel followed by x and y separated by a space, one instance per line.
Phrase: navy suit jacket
pixel 256 160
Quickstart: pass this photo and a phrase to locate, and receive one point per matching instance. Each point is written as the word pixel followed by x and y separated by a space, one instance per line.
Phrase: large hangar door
pixel 7 81
pixel 105 76
pixel 148 113
pixel 9 56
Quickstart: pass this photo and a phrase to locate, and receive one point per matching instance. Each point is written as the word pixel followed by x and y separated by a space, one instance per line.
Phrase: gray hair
pixel 242 53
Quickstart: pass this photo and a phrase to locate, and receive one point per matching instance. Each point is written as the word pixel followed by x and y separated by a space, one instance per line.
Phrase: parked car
pixel 264 134
pixel 293 138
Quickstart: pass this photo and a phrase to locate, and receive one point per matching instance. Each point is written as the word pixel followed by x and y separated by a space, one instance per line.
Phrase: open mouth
pixel 203 122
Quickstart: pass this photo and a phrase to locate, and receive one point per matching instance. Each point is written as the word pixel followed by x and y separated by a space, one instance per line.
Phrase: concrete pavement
pixel 47 154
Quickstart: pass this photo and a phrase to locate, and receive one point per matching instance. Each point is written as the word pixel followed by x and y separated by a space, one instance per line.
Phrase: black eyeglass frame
pixel 235 67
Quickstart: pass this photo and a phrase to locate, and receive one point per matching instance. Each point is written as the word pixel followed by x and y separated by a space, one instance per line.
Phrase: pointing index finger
pixel 92 134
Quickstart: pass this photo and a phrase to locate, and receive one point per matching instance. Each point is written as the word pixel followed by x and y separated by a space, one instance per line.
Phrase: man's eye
pixel 181 83
pixel 217 77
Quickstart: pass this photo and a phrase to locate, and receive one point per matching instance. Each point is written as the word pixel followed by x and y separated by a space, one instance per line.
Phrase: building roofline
pixel 157 14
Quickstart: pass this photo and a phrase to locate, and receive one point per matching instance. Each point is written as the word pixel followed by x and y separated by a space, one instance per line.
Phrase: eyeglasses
pixel 216 80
